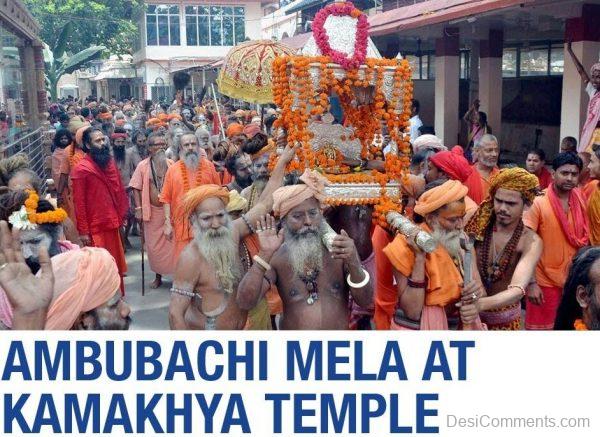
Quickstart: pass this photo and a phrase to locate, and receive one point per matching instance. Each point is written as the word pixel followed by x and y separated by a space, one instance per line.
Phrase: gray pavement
pixel 151 310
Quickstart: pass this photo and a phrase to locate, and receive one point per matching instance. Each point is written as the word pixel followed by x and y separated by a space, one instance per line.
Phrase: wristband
pixel 362 283
pixel 415 284
pixel 261 262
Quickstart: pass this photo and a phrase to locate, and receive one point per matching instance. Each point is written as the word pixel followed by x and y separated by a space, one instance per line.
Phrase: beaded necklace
pixel 310 281
pixel 493 271
pixel 184 176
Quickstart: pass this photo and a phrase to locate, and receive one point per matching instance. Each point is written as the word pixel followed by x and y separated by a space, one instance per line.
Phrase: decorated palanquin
pixel 375 94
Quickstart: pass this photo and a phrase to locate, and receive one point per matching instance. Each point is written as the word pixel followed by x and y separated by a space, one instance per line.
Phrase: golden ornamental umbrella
pixel 246 72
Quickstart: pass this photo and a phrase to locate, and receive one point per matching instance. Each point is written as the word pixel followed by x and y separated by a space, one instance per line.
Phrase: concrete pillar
pixel 490 79
pixel 584 33
pixel 447 69
pixel 474 72
pixel 29 78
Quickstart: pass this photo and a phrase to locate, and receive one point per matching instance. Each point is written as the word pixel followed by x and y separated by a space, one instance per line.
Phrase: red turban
pixel 453 163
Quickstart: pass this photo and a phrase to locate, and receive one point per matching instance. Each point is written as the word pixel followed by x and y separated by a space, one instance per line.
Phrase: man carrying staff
pixel 209 269
pixel 507 251
pixel 313 283
pixel 430 285
pixel 147 182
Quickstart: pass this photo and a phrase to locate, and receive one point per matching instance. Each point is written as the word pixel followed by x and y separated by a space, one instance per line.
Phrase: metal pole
pixel 212 87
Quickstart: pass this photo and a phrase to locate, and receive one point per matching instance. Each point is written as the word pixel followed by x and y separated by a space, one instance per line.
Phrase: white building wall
pixel 160 62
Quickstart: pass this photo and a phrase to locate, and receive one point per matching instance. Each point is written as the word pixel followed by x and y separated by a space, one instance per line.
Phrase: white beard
pixel 191 160
pixel 449 240
pixel 218 248
pixel 305 251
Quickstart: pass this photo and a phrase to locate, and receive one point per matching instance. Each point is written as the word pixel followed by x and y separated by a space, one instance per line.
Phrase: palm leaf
pixel 78 59
pixel 61 43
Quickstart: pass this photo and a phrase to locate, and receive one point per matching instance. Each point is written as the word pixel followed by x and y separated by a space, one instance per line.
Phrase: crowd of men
pixel 250 247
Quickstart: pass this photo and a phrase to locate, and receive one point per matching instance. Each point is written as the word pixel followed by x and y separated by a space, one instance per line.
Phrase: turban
pixel 428 142
pixel 236 202
pixel 234 129
pixel 84 279
pixel 287 198
pixel 117 136
pixel 74 124
pixel 251 130
pixel 197 195
pixel 513 179
pixel 453 163
pixel 163 117
pixel 434 199
pixel 595 67
pixel 79 134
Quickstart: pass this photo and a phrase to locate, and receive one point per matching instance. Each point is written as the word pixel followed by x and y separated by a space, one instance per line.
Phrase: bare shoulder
pixel 529 238
pixel 188 263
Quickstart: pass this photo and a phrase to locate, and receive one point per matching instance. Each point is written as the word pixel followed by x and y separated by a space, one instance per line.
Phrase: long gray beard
pixel 218 248
pixel 160 162
pixel 450 240
pixel 305 251
pixel 191 160
pixel 259 185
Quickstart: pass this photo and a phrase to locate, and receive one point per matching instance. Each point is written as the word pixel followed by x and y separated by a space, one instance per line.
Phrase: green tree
pixel 111 23
pixel 58 62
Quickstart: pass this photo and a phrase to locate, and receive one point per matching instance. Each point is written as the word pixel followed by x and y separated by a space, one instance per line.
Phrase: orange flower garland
pixel 579 325
pixel 301 98
pixel 39 218
pixel 186 180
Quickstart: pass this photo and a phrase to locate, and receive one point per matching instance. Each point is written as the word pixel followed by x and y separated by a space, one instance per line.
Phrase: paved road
pixel 149 311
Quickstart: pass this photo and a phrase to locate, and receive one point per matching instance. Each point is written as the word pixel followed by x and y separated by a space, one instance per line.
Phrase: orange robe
pixel 173 192
pixel 479 186
pixel 68 161
pixel 553 266
pixel 591 193
pixel 443 281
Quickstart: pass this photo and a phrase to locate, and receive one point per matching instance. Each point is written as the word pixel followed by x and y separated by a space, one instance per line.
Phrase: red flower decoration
pixel 362 34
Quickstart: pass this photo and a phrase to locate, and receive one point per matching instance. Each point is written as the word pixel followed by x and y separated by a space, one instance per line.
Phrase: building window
pixel 162 25
pixel 423 67
pixel 215 25
pixel 557 60
pixel 465 64
pixel 536 60
pixel 509 63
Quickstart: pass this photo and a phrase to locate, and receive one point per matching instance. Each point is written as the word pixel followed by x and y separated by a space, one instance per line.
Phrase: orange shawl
pixel 444 280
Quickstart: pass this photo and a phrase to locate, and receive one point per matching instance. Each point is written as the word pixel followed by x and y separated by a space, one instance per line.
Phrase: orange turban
pixel 251 130
pixel 434 199
pixel 163 117
pixel 234 129
pixel 269 148
pixel 197 195
pixel 84 279
pixel 287 198
pixel 79 134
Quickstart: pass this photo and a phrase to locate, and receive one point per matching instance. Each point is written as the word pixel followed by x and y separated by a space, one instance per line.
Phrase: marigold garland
pixel 39 218
pixel 186 180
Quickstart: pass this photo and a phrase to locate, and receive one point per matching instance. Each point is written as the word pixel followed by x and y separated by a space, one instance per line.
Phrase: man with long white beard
pixel 191 171
pixel 487 152
pixel 209 268
pixel 431 285
pixel 147 182
pixel 313 284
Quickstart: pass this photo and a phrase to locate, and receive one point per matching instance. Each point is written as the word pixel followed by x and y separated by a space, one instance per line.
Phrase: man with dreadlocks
pixel 507 251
